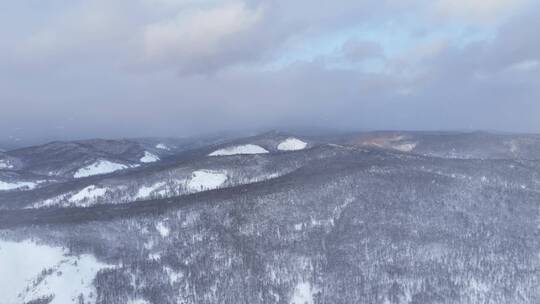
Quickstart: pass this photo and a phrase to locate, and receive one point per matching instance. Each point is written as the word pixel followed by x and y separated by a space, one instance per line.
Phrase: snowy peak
pixel 292 144
pixel 240 150
pixel 274 142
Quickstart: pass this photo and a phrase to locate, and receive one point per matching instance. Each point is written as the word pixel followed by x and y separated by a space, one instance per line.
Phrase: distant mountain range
pixel 373 217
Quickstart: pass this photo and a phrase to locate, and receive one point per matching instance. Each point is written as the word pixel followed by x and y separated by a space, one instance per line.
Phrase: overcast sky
pixel 108 68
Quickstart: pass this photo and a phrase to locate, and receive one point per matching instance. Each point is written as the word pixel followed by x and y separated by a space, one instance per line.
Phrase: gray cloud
pixel 359 50
pixel 180 67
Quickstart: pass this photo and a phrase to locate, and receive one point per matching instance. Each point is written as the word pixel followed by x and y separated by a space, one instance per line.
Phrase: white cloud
pixel 170 3
pixel 526 65
pixel 203 33
pixel 480 11
pixel 89 28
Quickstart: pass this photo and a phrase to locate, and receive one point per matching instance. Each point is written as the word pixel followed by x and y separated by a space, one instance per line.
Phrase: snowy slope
pixel 292 144
pixel 195 181
pixel 303 294
pixel 145 192
pixel 99 167
pixel 163 230
pixel 89 193
pixel 238 150
pixel 4 186
pixel 206 180
pixel 163 147
pixel 406 147
pixel 31 271
pixel 5 164
pixel 352 222
pixel 149 157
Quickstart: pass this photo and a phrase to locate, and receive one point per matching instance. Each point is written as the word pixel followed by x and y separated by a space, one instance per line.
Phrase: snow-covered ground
pixel 303 294
pixel 206 180
pixel 158 188
pixel 138 301
pixel 99 167
pixel 149 157
pixel 4 186
pixel 292 144
pixel 84 198
pixel 407 147
pixel 89 193
pixel 185 183
pixel 30 271
pixel 236 150
pixel 163 147
pixel 54 201
pixel 163 230
pixel 5 164
pixel 514 146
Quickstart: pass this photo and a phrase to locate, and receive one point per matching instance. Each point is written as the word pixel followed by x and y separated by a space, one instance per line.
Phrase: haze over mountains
pixel 376 217
pixel 70 69
pixel 111 193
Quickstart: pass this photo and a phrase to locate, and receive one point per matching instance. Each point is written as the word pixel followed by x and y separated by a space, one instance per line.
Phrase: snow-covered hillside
pixel 239 150
pixel 292 144
pixel 149 157
pixel 206 180
pixel 5 164
pixel 5 186
pixel 163 147
pixel 384 217
pixel 88 193
pixel 30 271
pixel 64 159
pixel 156 189
pixel 99 167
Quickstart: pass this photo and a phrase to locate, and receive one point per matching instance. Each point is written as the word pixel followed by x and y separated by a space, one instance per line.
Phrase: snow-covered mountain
pixel 481 145
pixel 182 174
pixel 379 217
pixel 79 158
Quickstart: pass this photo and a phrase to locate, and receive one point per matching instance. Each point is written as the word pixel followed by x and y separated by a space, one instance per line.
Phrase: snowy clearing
pixel 99 167
pixel 303 294
pixel 163 147
pixel 163 230
pixel 147 191
pixel 5 164
pixel 206 180
pixel 5 186
pixel 238 150
pixel 292 144
pixel 138 301
pixel 405 147
pixel 65 277
pixel 89 193
pixel 149 157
